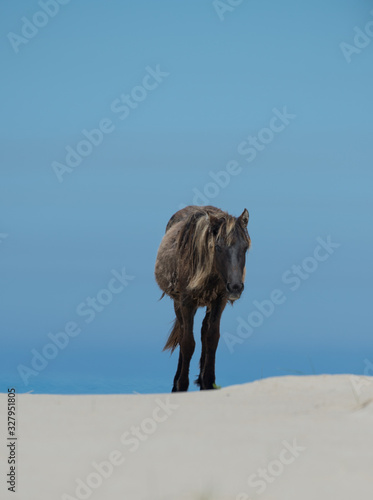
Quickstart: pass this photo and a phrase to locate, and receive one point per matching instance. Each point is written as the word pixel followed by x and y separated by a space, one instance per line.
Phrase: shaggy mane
pixel 197 239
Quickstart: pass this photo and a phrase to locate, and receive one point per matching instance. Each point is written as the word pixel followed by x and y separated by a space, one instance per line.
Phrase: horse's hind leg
pixel 179 319
pixel 176 378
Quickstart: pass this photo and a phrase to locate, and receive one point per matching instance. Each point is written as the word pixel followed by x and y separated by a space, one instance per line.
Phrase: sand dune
pixel 288 438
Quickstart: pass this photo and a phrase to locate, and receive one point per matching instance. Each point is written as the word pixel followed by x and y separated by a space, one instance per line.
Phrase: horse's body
pixel 201 263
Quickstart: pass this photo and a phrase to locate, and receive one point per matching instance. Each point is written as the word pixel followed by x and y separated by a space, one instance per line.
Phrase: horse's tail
pixel 174 337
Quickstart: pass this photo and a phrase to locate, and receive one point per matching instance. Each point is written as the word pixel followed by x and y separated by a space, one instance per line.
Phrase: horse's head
pixel 232 241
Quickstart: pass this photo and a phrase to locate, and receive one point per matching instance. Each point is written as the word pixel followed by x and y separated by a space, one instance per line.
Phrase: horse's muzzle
pixel 234 290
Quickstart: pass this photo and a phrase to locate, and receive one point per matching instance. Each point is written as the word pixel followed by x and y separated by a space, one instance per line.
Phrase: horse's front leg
pixel 187 345
pixel 205 326
pixel 210 343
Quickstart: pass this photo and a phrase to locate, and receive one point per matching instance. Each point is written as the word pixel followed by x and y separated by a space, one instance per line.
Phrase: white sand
pixel 205 447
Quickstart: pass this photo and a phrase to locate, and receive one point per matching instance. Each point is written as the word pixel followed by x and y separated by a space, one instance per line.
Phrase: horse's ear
pixel 244 217
pixel 214 224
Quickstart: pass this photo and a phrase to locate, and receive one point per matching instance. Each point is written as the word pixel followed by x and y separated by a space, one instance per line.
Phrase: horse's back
pixel 186 212
pixel 167 262
pixel 167 259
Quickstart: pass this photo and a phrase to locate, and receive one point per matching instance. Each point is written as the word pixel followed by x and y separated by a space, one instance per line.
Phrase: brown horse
pixel 201 263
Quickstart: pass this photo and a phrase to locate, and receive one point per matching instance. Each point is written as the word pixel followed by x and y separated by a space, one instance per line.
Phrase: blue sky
pixel 220 81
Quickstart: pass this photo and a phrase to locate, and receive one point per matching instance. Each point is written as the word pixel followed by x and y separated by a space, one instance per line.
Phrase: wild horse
pixel 201 263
